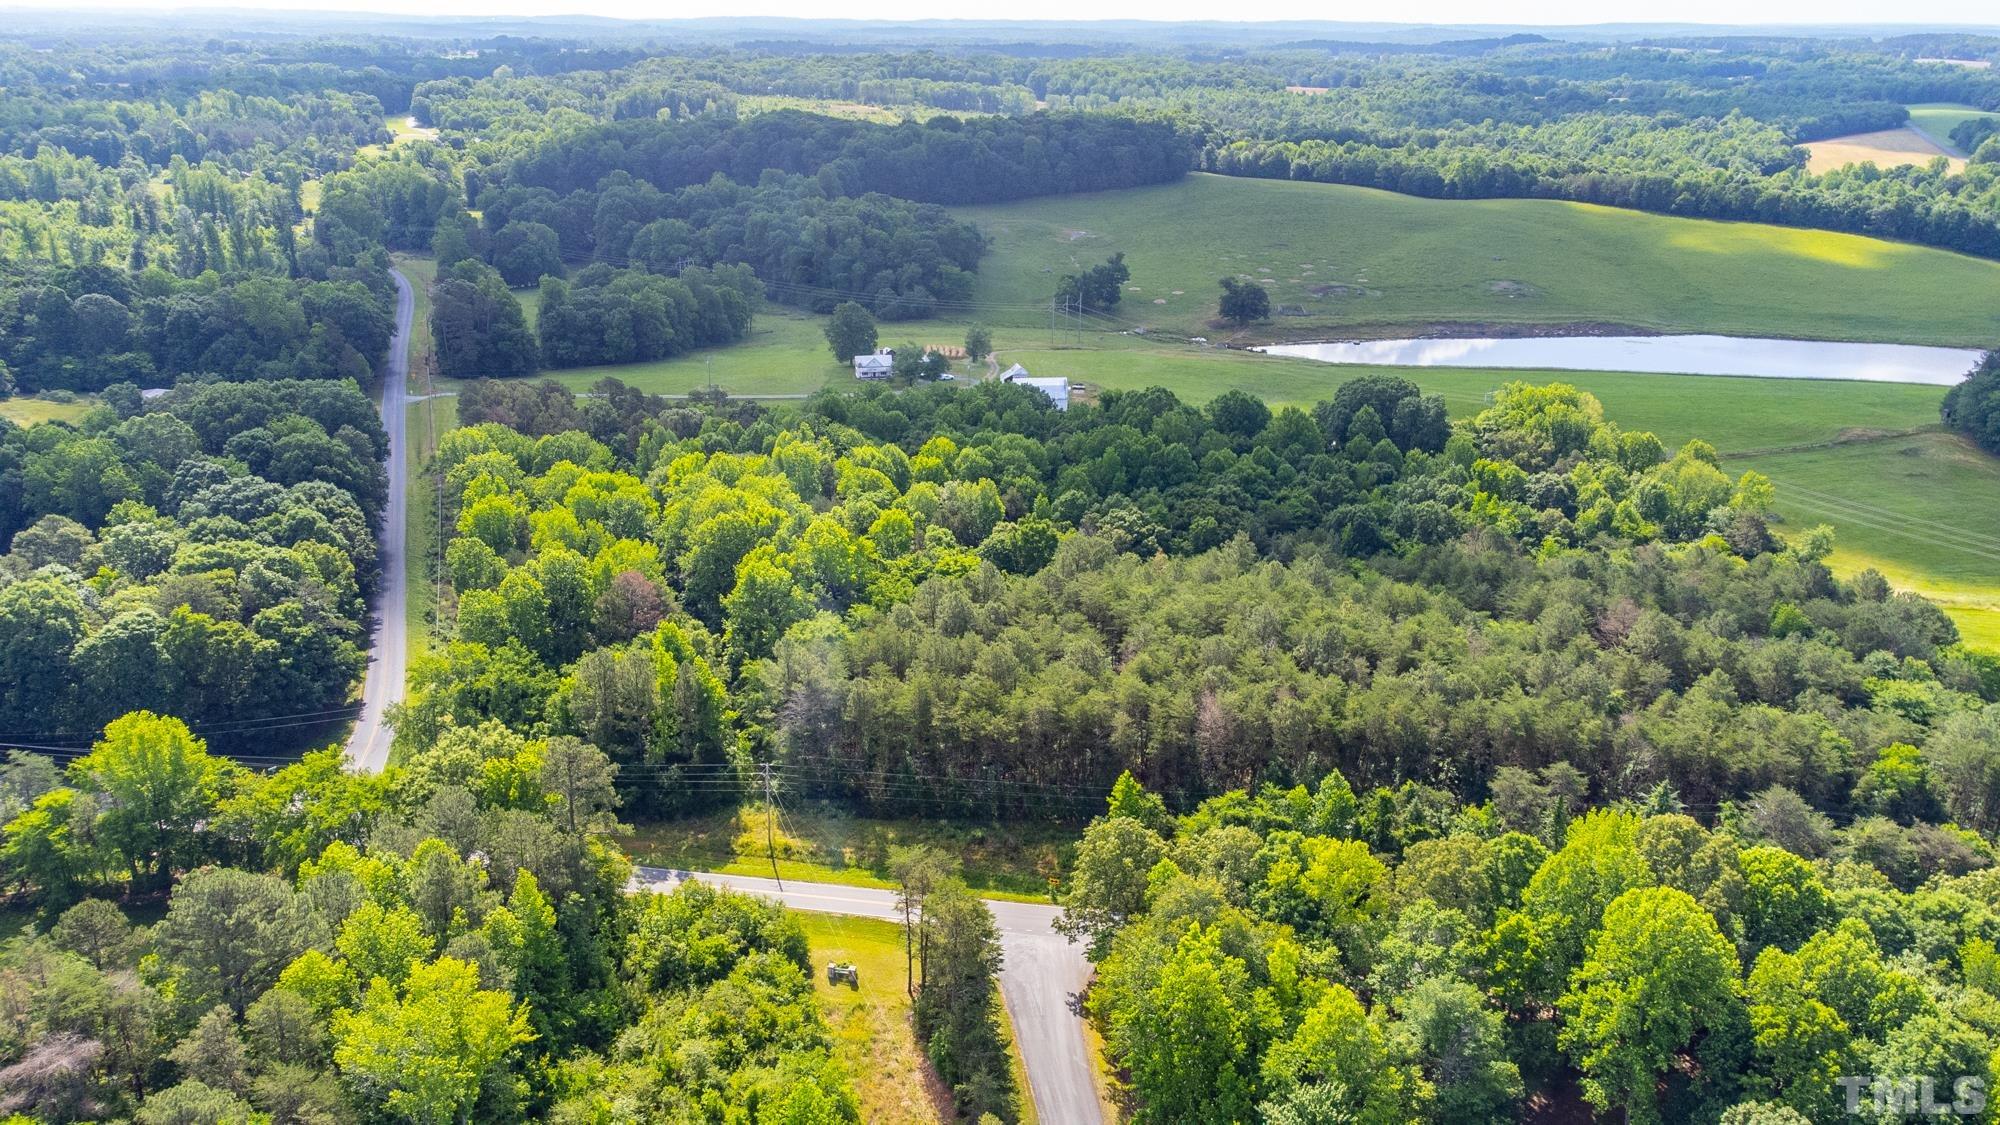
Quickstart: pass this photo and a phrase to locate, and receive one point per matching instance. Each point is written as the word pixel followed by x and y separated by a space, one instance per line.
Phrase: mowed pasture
pixel 1936 120
pixel 1921 509
pixel 1889 148
pixel 1364 262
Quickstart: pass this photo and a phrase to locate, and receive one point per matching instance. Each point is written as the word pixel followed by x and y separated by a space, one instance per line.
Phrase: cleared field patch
pixel 1936 120
pixel 873 1036
pixel 403 129
pixel 1351 261
pixel 1890 148
pixel 29 410
pixel 785 355
pixel 1920 509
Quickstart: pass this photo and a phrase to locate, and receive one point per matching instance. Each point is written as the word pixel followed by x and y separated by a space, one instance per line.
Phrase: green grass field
pixel 1374 262
pixel 1920 509
pixel 28 410
pixel 785 355
pixel 403 129
pixel 873 1037
pixel 1936 120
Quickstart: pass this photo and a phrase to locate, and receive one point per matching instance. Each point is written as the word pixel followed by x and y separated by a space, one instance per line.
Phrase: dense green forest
pixel 329 952
pixel 1315 954
pixel 211 546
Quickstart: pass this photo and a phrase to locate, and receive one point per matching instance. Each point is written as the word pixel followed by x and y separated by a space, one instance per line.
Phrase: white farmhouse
pixel 1056 389
pixel 878 366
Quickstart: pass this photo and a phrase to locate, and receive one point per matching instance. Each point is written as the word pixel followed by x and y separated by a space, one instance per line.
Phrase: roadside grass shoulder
pixel 874 1036
pixel 822 843
pixel 427 420
pixel 873 1026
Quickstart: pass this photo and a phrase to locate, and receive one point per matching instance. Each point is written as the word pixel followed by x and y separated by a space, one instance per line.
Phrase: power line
pixel 226 726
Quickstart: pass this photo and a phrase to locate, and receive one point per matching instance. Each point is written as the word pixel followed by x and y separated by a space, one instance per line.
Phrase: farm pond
pixel 1663 355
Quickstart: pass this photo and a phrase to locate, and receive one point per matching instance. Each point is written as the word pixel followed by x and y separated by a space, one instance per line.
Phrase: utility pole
pixel 770 836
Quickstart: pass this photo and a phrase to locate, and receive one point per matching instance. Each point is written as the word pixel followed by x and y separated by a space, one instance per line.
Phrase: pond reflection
pixel 1665 355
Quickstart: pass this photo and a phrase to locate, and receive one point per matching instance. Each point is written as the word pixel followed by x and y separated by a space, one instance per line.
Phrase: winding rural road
pixel 389 651
pixel 1043 978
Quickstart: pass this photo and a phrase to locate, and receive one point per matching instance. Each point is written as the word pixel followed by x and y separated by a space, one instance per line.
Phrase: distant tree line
pixel 944 160
pixel 1917 204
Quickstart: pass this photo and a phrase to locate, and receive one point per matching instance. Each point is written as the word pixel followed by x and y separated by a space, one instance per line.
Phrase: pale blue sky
pixel 1820 12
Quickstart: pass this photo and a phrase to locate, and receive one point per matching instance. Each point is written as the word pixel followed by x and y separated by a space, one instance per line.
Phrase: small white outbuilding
pixel 1056 389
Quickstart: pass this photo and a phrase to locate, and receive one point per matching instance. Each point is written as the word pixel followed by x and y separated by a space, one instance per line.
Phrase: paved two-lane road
pixel 389 651
pixel 1043 979
pixel 1044 976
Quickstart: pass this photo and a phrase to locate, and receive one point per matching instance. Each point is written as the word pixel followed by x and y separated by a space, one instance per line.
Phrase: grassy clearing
pixel 827 845
pixel 873 1036
pixel 29 410
pixel 785 355
pixel 1920 509
pixel 855 111
pixel 402 130
pixel 872 1033
pixel 1936 120
pixel 1890 148
pixel 1359 260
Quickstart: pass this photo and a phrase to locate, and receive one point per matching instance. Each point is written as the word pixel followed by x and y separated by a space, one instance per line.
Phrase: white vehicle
pixel 946 377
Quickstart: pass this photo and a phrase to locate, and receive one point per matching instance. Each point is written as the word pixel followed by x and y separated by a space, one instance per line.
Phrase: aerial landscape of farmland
pixel 1288 571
